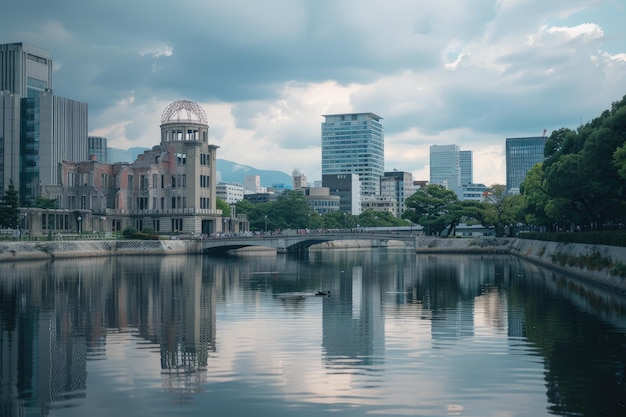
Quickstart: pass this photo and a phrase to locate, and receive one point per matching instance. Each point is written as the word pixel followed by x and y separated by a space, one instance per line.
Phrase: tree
pixel 430 207
pixel 535 197
pixel 222 205
pixel 619 159
pixel 502 209
pixel 255 212
pixel 9 211
pixel 289 211
pixel 46 203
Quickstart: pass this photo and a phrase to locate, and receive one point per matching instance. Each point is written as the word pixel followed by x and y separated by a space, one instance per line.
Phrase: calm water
pixel 400 335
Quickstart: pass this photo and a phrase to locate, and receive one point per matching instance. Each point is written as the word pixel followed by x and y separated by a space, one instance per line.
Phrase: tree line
pixel 292 211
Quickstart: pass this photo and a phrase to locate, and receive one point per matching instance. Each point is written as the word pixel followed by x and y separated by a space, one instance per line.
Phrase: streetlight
pixel 79 219
pixel 265 223
pixel 375 221
pixel 344 219
pixel 309 214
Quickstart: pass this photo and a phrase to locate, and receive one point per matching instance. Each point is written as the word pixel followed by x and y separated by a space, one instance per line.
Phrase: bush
pixel 611 238
pixel 147 234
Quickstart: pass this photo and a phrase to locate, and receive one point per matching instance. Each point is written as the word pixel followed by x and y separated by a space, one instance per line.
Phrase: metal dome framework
pixel 175 111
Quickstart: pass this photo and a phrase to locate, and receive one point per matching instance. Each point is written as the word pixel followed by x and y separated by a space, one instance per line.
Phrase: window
pixel 177 225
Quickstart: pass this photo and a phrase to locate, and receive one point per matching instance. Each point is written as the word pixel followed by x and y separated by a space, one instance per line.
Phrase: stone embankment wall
pixel 540 252
pixel 27 251
pixel 536 251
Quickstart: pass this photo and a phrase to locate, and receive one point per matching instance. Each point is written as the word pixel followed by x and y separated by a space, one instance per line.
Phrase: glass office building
pixel 467 167
pixel 445 167
pixel 38 129
pixel 355 144
pixel 521 155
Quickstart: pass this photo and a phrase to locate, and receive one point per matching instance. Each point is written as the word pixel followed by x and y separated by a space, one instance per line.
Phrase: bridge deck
pixel 300 242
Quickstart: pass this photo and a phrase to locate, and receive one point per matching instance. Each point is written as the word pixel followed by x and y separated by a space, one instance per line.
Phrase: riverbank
pixel 547 254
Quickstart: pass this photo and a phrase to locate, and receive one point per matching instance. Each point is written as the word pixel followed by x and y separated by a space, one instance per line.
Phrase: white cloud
pixel 471 73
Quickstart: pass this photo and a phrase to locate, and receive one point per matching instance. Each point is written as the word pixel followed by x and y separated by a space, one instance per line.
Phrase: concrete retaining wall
pixel 25 251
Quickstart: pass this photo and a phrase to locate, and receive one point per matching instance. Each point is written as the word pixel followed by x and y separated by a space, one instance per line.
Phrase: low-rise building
pixel 230 192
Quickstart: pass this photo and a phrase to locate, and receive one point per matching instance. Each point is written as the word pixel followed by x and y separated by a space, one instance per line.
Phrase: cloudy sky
pixel 466 72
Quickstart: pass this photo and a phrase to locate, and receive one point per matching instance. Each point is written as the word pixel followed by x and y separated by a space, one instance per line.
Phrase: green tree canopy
pixel 9 211
pixel 502 209
pixel 431 207
pixel 581 181
pixel 222 205
pixel 535 197
pixel 46 203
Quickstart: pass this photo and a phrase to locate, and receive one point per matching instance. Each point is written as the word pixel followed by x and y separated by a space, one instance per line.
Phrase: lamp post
pixel 344 219
pixel 79 219
pixel 375 221
pixel 265 223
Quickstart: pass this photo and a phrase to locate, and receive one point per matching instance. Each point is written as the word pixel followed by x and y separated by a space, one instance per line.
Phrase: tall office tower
pixel 97 148
pixel 9 139
pixel 521 155
pixel 39 129
pixel 445 167
pixel 467 167
pixel 355 144
pixel 25 70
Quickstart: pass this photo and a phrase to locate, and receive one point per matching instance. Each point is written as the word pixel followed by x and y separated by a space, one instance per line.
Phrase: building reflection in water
pixel 56 316
pixel 187 326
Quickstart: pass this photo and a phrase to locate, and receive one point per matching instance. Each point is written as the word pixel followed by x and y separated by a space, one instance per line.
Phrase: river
pixel 245 335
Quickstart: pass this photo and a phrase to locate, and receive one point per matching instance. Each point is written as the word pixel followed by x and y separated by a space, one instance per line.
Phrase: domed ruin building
pixel 170 189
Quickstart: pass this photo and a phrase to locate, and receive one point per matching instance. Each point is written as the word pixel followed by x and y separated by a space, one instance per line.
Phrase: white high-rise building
pixel 355 144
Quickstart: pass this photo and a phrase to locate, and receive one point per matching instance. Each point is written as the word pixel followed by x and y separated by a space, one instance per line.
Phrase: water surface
pixel 425 335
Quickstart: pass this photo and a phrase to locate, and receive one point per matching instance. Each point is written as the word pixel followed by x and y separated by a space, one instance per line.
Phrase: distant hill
pixel 227 171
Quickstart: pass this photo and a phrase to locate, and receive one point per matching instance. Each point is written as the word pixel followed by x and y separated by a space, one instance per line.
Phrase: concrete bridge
pixel 298 242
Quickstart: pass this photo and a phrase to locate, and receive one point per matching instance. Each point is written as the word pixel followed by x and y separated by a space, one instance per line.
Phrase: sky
pixel 464 72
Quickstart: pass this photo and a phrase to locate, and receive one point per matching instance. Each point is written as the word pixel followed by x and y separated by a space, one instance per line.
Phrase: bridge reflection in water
pixel 299 242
